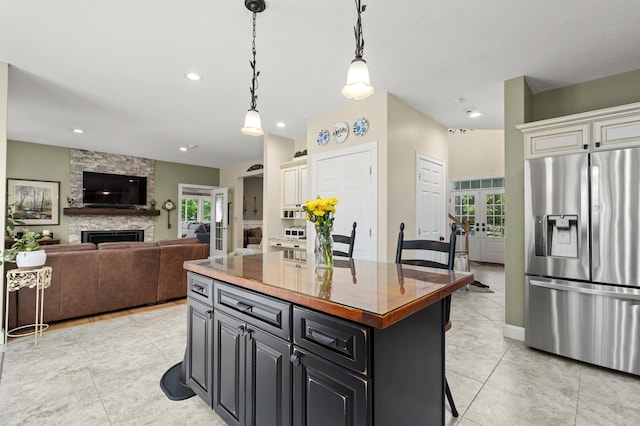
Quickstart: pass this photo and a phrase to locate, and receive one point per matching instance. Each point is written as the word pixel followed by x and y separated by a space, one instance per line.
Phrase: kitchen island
pixel 276 341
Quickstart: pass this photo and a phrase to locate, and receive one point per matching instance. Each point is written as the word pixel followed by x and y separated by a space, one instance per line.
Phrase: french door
pixel 483 209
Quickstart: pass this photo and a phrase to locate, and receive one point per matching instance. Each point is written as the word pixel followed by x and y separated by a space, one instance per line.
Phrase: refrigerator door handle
pixel 585 290
pixel 595 216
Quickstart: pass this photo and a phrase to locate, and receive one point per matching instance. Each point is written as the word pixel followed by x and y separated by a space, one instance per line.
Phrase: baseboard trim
pixel 513 332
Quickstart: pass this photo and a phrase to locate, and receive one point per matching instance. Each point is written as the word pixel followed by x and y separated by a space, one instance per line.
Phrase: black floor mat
pixel 172 385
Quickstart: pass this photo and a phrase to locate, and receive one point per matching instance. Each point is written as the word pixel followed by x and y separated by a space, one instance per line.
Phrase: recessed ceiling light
pixel 193 76
pixel 77 130
pixel 281 124
pixel 183 148
pixel 472 113
pixel 192 146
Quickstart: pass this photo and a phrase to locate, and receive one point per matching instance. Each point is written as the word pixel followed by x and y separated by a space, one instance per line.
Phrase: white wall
pixel 410 132
pixel 4 84
pixel 476 153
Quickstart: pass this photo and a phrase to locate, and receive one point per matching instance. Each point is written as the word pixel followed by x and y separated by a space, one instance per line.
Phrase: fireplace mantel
pixel 80 211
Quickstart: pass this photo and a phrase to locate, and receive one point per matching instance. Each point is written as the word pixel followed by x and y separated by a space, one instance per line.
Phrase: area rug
pixel 478 287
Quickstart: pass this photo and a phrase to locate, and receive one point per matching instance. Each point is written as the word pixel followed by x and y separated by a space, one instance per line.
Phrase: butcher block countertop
pixel 372 293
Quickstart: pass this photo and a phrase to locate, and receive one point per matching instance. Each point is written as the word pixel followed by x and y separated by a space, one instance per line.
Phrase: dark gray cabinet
pixel 229 368
pixel 270 363
pixel 200 336
pixel 252 367
pixel 331 383
pixel 326 394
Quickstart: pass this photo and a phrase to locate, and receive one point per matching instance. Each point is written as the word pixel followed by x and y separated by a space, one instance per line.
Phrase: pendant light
pixel 358 86
pixel 252 123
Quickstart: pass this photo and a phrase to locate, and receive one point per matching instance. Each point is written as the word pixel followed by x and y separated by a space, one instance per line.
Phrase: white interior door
pixel 219 221
pixel 430 202
pixel 350 176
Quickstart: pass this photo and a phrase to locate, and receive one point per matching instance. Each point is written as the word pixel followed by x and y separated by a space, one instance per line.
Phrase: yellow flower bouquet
pixel 320 212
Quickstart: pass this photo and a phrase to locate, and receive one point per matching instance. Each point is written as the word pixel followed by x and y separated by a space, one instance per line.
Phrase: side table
pixel 40 278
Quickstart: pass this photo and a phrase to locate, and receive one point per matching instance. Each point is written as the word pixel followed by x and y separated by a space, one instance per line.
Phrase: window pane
pixel 498 183
pixel 192 209
pixel 475 184
pixel 207 210
pixel 486 183
pixel 464 184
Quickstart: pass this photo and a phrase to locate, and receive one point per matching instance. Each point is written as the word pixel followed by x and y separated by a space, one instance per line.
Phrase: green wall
pixel 523 107
pixel 45 162
pixel 41 162
pixel 168 176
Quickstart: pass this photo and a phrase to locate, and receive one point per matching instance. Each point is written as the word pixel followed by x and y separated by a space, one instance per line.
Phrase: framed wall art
pixel 35 202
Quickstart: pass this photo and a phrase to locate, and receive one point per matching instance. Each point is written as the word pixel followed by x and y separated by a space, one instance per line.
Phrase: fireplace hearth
pixel 112 236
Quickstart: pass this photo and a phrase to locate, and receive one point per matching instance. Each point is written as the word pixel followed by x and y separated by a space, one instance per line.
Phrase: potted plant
pixel 11 222
pixel 25 251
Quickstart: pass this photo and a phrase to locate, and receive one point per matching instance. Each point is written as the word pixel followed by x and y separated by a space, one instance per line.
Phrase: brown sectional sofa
pixel 90 279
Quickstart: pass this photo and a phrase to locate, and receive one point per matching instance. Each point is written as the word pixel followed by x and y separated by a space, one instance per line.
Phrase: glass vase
pixel 324 248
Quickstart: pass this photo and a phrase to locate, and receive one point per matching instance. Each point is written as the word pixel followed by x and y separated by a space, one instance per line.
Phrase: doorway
pixel 195 209
pixel 480 202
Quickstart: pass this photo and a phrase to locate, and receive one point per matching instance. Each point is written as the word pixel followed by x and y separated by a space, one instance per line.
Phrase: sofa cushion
pixel 128 277
pixel 124 245
pixel 55 248
pixel 178 241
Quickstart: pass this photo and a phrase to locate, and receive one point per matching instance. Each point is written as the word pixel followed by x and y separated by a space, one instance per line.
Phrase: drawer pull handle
pixel 210 313
pixel 197 288
pixel 243 307
pixel 323 338
pixel 295 358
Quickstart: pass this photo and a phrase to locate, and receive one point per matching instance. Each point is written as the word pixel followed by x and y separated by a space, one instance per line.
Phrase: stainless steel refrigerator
pixel 582 257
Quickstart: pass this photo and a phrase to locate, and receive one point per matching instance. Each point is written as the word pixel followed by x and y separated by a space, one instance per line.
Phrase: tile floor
pixel 107 373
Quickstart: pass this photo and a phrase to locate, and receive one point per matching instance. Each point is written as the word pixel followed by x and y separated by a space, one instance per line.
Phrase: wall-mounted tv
pixel 110 190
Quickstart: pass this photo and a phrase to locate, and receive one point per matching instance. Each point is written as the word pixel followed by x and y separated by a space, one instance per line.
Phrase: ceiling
pixel 115 68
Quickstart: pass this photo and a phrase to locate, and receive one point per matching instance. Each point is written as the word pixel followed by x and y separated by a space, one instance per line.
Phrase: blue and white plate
pixel 323 137
pixel 360 126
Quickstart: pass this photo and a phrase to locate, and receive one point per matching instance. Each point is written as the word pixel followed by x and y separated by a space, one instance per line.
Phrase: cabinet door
pixel 303 182
pixel 326 394
pixel 557 141
pixel 619 132
pixel 268 380
pixel 290 191
pixel 200 344
pixel 229 372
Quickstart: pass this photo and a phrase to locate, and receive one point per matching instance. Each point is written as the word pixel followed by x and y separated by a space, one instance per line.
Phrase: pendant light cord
pixel 358 30
pixel 254 81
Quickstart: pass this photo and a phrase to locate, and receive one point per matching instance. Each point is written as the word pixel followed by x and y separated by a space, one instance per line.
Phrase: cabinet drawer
pixel 340 341
pixel 200 288
pixel 271 315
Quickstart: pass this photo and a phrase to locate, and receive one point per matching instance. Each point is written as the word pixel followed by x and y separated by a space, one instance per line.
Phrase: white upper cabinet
pixel 617 132
pixel 557 141
pixel 610 128
pixel 294 188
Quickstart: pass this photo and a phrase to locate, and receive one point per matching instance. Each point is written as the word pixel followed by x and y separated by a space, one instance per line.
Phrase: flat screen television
pixel 110 190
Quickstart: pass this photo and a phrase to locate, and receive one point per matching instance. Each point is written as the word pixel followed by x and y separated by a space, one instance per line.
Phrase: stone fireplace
pixel 82 160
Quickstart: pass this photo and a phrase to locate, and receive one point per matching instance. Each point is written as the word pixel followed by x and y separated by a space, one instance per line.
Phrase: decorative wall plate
pixel 323 137
pixel 360 126
pixel 340 132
